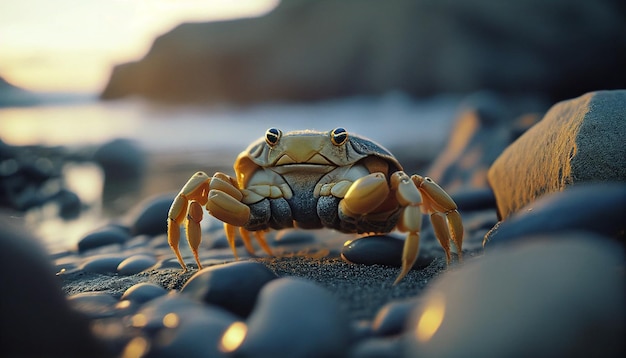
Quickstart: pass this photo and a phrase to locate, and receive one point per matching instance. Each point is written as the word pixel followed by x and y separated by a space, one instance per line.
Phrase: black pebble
pixel 233 286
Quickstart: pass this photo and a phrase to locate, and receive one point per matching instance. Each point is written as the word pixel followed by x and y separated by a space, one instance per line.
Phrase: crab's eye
pixel 338 136
pixel 272 136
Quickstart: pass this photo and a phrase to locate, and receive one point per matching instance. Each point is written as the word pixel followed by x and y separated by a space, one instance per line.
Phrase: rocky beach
pixel 534 158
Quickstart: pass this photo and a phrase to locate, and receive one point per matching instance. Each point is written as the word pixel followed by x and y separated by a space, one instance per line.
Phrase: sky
pixel 71 45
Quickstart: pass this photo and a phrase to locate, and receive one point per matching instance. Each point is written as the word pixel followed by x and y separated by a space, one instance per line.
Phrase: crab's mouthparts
pixel 316 159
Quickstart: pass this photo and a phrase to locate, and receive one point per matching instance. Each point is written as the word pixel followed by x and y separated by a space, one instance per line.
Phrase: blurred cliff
pixel 311 50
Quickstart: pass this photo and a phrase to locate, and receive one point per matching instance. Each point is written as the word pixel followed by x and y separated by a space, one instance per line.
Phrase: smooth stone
pixel 232 286
pixel 169 263
pixel 136 264
pixel 287 237
pixel 178 326
pixel 297 317
pixel 121 159
pixel 69 204
pixel 150 216
pixel 578 141
pixel 143 292
pixel 598 208
pixel 388 347
pixel 94 304
pixel 393 316
pixel 107 235
pixel 558 296
pixel 36 318
pixel 380 250
pixel 106 264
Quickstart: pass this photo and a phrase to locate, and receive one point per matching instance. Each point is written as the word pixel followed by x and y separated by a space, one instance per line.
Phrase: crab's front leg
pixel 221 197
pixel 444 215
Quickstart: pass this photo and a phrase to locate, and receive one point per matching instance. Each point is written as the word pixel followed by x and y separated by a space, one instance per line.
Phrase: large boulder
pixel 309 50
pixel 578 140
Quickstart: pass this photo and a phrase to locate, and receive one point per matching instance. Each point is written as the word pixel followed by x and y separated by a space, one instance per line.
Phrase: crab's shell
pixel 316 144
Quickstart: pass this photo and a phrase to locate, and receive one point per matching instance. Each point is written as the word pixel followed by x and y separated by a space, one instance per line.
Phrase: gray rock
pixel 554 297
pixel 149 217
pixel 177 326
pixel 388 347
pixel 598 208
pixel 382 250
pixel 371 47
pixel 108 235
pixel 143 292
pixel 297 318
pixel 578 140
pixel 94 304
pixel 233 286
pixel 105 263
pixel 392 317
pixel 136 264
pixel 36 319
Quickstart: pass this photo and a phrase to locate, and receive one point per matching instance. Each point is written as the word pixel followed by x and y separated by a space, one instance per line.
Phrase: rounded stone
pixel 233 286
pixel 297 317
pixel 143 292
pixel 377 348
pixel 150 216
pixel 578 140
pixel 598 208
pixel 106 264
pixel 181 327
pixel 94 304
pixel 37 320
pixel 563 294
pixel 380 250
pixel 107 235
pixel 392 317
pixel 136 264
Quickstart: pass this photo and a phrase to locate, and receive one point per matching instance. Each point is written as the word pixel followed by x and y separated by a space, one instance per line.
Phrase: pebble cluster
pixel 545 281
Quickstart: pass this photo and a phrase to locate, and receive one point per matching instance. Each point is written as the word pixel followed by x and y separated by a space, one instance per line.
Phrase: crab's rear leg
pixel 187 207
pixel 444 216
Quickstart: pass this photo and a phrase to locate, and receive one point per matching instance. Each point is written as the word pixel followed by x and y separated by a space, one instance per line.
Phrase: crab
pixel 309 179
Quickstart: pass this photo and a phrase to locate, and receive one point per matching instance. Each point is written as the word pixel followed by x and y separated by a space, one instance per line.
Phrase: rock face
pixel 309 50
pixel 579 140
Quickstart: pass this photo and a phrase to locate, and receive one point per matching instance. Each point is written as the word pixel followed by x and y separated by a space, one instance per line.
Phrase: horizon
pixel 75 50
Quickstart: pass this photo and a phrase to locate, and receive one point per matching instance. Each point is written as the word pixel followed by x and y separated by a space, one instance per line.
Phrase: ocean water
pixel 415 128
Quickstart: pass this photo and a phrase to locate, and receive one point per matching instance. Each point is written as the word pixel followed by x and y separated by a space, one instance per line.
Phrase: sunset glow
pixel 71 45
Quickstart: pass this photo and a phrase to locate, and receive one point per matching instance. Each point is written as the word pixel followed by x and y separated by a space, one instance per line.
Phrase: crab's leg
pixel 194 233
pixel 196 189
pixel 245 235
pixel 410 199
pixel 445 217
pixel 230 236
pixel 260 238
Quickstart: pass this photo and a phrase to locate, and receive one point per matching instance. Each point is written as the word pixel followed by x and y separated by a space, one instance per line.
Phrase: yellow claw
pixel 230 236
pixel 228 209
pixel 365 194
